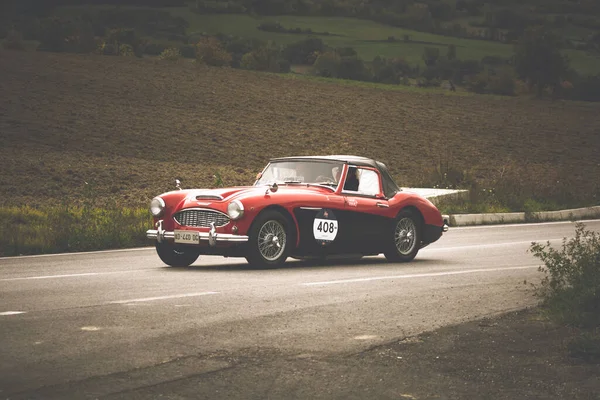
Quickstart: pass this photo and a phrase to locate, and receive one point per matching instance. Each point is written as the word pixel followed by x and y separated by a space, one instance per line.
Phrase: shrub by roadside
pixel 570 289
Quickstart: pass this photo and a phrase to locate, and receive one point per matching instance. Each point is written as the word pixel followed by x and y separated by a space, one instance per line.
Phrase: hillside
pixel 125 128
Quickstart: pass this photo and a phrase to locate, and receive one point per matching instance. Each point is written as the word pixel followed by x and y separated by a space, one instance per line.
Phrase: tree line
pixel 537 64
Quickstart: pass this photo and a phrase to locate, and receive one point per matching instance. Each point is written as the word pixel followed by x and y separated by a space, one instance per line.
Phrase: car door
pixel 366 208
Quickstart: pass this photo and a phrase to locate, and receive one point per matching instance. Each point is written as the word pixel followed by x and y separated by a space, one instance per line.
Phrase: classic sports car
pixel 299 207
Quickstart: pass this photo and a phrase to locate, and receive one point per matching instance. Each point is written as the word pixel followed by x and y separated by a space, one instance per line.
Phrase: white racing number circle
pixel 325 227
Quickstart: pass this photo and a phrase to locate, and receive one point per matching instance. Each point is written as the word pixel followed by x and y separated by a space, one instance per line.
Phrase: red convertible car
pixel 299 207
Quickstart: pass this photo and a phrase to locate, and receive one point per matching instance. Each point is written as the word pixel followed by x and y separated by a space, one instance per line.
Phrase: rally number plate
pixel 187 237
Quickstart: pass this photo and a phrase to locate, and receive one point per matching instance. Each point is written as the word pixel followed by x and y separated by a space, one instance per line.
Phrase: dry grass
pixel 130 126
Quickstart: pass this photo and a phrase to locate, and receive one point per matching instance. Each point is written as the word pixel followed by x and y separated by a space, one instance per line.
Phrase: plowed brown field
pixel 128 127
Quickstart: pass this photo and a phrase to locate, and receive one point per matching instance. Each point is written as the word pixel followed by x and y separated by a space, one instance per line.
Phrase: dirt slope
pixel 128 127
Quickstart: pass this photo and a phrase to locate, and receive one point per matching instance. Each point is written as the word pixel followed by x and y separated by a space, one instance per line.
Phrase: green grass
pixel 383 86
pixel 29 230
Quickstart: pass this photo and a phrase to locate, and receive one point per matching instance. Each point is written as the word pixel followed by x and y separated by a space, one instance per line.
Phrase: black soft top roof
pixel 346 159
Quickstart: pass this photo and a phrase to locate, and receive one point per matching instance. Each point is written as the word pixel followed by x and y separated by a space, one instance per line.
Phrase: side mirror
pixel 273 188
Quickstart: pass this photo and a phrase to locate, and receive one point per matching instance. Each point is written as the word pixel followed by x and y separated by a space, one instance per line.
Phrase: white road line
pixel 12 312
pixel 484 246
pixel 79 253
pixel 175 296
pixel 519 225
pixel 377 278
pixel 25 278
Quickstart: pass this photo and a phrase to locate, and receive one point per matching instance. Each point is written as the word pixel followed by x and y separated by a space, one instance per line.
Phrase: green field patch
pixel 407 41
pixel 365 36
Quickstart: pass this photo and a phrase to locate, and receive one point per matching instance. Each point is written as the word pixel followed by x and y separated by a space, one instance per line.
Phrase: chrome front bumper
pixel 211 236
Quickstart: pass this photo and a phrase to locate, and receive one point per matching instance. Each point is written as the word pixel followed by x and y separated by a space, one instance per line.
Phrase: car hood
pixel 195 197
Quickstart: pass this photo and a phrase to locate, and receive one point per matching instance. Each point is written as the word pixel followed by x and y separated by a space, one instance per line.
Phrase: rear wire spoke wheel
pixel 176 256
pixel 405 237
pixel 269 240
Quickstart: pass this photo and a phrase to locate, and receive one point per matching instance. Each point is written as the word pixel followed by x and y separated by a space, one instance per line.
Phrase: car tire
pixel 405 237
pixel 176 256
pixel 270 240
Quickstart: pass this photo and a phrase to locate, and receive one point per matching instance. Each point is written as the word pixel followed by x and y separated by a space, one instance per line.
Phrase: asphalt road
pixel 113 323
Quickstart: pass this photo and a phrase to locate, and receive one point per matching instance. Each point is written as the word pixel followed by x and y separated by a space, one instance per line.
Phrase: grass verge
pixel 57 229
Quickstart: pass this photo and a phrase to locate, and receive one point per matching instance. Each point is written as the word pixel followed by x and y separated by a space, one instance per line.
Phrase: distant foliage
pixel 304 52
pixel 265 59
pixel 431 55
pixel 494 80
pixel 538 59
pixel 210 51
pixel 327 65
pixel 334 64
pixel 115 49
pixel 170 54
pixel 392 71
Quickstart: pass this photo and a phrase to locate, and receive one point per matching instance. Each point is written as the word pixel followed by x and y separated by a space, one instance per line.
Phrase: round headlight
pixel 235 209
pixel 157 205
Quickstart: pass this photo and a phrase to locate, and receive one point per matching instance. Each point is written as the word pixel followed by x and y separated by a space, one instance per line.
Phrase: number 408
pixel 326 227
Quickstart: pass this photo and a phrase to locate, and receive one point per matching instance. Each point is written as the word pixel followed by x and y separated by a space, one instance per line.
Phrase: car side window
pixel 362 181
pixel 368 183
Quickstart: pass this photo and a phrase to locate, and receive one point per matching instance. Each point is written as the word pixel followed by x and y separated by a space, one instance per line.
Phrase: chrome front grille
pixel 201 218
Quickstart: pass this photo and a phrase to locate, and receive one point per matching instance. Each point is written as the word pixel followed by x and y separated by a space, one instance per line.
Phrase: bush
pixel 332 65
pixel 327 65
pixel 264 59
pixel 303 52
pixel 570 288
pixel 500 81
pixel 210 51
pixel 170 54
pixel 390 71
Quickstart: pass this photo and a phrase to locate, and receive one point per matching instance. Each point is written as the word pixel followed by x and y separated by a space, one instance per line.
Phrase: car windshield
pixel 312 172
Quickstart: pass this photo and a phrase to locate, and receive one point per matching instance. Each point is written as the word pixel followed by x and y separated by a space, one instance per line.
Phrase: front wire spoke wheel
pixel 271 240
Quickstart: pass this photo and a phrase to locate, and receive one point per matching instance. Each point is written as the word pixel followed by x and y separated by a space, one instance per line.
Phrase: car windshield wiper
pixel 292 182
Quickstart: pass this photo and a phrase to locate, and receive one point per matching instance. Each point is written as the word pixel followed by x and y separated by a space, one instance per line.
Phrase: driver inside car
pixel 352 179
